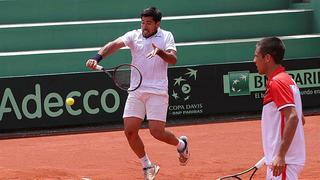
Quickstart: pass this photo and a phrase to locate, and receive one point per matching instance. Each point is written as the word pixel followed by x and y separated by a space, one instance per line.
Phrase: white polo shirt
pixel 154 71
pixel 281 92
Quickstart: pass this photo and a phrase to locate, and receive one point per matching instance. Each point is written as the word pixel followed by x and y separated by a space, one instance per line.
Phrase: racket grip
pixel 98 67
pixel 260 163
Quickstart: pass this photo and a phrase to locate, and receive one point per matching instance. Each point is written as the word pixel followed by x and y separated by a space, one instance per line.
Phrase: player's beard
pixel 146 33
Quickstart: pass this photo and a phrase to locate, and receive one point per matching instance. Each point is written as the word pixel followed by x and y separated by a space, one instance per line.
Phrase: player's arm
pixel 111 47
pixel 291 123
pixel 104 52
pixel 169 56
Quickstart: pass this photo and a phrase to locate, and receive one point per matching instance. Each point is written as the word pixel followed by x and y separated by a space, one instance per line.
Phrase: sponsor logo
pixel 241 83
pixel 52 104
pixel 182 87
pixel 181 94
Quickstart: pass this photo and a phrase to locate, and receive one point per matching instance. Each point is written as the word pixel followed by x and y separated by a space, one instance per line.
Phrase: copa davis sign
pixel 189 90
pixel 39 101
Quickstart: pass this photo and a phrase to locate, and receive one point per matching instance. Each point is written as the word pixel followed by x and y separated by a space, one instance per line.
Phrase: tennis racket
pixel 247 174
pixel 125 76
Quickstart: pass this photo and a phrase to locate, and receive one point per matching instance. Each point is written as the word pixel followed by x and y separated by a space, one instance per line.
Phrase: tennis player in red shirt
pixel 282 118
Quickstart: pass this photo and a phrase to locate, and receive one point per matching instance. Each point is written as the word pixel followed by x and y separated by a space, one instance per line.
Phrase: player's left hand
pixel 277 165
pixel 153 52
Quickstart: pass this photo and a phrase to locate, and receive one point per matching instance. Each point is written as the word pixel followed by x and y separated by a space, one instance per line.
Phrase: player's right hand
pixel 153 52
pixel 92 64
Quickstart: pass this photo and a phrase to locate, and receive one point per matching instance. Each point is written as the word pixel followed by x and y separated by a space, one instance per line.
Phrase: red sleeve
pixel 281 93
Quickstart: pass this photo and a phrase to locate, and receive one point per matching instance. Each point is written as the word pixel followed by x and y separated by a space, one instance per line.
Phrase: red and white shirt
pixel 281 92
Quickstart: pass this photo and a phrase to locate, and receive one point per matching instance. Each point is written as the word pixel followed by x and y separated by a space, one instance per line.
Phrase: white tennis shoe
pixel 184 154
pixel 151 172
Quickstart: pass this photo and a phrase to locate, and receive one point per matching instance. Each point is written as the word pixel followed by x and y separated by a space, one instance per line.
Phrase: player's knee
pixel 131 134
pixel 157 133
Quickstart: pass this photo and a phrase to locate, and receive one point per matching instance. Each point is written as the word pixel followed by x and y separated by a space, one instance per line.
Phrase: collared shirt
pixel 281 92
pixel 154 71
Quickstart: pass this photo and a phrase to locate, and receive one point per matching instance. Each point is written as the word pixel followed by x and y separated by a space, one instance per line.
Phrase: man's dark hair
pixel 152 12
pixel 273 46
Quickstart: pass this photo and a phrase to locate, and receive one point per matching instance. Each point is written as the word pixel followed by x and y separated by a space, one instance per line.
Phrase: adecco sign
pixel 39 101
pixel 53 104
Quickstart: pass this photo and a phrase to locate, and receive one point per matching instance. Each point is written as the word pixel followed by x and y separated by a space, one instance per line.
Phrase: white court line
pixel 53 51
pixel 85 178
pixel 5 26
pixel 304 36
pixel 236 14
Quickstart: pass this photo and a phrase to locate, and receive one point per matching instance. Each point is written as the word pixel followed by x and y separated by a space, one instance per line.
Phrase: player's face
pixel 149 26
pixel 260 62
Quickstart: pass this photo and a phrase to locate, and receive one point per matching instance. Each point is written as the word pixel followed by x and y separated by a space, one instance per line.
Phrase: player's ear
pixel 268 58
pixel 158 24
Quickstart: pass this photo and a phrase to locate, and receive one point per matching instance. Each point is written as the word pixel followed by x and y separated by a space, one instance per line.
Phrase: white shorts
pixel 140 104
pixel 292 173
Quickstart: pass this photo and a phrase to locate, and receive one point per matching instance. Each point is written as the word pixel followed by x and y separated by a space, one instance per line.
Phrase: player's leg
pixel 293 171
pixel 134 113
pixel 156 109
pixel 131 129
pixel 158 131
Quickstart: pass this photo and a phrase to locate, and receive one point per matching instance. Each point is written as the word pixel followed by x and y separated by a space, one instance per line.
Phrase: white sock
pixel 145 161
pixel 181 145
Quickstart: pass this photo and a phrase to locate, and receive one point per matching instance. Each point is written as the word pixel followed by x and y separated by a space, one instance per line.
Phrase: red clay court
pixel 217 149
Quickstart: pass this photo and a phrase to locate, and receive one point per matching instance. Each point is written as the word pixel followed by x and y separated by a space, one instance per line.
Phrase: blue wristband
pixel 98 57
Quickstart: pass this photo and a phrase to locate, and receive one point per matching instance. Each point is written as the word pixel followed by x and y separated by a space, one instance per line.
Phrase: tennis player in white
pixel 282 118
pixel 152 49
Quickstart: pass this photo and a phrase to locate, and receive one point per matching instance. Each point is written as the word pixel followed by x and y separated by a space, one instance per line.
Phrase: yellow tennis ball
pixel 70 101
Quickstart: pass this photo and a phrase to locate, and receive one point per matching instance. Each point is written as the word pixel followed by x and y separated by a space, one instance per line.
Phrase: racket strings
pixel 127 77
pixel 122 78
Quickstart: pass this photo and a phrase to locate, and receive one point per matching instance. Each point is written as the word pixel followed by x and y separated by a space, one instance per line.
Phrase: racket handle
pixel 98 67
pixel 260 163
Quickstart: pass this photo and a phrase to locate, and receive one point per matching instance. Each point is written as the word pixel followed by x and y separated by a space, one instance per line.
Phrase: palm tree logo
pixel 181 87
